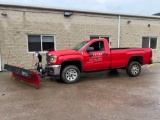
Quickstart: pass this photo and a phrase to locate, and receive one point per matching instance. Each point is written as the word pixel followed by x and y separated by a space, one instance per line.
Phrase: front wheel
pixel 134 69
pixel 70 74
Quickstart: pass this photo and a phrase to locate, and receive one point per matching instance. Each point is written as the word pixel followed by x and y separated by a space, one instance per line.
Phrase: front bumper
pixel 53 70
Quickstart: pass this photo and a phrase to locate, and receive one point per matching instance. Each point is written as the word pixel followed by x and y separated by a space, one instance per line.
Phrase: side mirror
pixel 90 49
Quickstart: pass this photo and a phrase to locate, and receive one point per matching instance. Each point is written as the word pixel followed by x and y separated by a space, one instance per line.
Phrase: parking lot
pixel 97 96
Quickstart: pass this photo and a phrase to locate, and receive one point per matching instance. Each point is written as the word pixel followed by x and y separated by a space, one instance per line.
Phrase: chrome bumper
pixel 53 69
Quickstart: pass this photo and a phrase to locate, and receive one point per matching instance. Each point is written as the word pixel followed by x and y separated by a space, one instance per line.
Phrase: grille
pixel 47 59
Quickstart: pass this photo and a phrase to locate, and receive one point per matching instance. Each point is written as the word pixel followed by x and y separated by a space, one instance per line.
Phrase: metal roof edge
pixel 73 10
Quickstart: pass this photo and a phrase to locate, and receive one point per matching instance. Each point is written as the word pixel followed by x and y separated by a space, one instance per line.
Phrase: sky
pixel 137 7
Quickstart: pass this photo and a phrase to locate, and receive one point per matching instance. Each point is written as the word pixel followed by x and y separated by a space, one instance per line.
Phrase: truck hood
pixel 63 52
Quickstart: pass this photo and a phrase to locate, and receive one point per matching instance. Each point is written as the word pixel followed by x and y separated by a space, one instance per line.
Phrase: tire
pixel 133 69
pixel 70 74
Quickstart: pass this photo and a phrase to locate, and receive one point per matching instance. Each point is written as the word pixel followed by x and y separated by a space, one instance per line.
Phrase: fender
pixel 72 60
pixel 139 55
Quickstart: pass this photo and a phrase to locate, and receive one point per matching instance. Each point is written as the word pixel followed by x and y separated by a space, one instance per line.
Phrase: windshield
pixel 80 45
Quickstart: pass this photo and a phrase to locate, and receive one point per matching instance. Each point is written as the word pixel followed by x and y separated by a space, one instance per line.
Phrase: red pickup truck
pixel 95 55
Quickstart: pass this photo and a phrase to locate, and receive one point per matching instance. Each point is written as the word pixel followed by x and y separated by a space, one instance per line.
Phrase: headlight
pixel 53 59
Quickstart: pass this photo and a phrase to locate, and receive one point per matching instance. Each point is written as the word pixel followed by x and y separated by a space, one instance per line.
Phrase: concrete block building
pixel 26 29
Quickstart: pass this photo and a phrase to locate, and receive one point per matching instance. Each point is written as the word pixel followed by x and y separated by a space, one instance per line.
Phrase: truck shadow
pixel 109 75
pixel 102 75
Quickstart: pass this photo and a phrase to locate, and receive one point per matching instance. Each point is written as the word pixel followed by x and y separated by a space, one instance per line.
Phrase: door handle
pixel 90 55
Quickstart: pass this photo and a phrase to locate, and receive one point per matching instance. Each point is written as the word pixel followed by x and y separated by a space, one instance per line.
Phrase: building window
pixel 97 37
pixel 40 43
pixel 149 42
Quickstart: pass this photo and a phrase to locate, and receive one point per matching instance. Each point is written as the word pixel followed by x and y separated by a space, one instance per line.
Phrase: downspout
pixel 119 30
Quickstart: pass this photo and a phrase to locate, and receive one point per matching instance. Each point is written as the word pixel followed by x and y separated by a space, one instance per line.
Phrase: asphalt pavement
pixel 108 95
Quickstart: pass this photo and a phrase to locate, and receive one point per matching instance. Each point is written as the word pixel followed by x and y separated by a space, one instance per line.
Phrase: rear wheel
pixel 70 74
pixel 133 69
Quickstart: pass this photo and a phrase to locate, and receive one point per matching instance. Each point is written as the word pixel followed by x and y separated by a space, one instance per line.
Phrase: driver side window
pixel 98 46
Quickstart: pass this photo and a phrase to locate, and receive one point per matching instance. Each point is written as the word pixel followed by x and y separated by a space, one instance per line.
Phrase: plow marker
pixel 28 76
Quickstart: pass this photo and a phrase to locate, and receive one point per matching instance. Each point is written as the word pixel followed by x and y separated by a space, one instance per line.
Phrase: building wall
pixel 131 34
pixel 20 22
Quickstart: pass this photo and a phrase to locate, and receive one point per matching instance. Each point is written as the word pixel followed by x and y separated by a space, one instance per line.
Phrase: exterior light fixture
pixel 4 14
pixel 149 25
pixel 67 14
pixel 128 21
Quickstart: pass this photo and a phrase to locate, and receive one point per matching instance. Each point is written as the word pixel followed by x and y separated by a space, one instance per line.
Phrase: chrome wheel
pixel 135 69
pixel 71 74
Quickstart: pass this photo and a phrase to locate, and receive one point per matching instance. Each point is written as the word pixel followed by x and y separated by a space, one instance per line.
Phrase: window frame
pixel 41 35
pixel 150 37
pixel 101 36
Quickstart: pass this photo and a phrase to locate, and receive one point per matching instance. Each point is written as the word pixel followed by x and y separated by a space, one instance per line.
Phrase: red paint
pixel 33 80
pixel 108 59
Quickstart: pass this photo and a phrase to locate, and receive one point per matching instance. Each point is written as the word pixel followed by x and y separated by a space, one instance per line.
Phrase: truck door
pixel 97 58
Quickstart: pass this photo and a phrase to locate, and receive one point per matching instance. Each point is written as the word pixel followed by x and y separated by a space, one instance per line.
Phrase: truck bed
pixel 120 56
